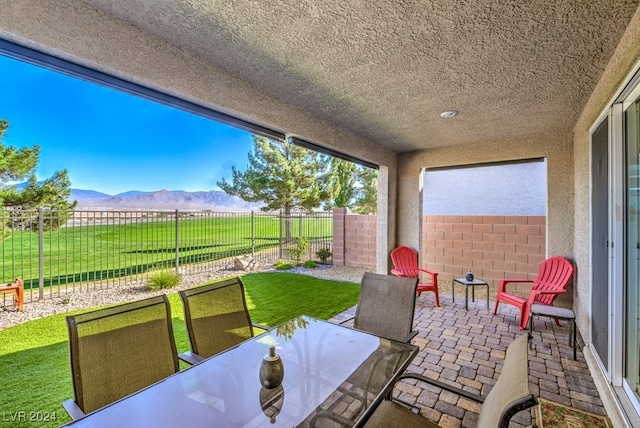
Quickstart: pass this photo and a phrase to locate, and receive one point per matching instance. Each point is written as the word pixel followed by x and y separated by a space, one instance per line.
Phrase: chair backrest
pixel 216 315
pixel 386 306
pixel 405 260
pixel 511 392
pixel 554 275
pixel 119 350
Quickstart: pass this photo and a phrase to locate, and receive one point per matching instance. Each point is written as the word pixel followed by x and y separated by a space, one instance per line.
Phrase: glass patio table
pixel 332 374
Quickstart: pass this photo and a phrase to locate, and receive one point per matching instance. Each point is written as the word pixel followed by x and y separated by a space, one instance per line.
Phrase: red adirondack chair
pixel 553 277
pixel 17 289
pixel 405 263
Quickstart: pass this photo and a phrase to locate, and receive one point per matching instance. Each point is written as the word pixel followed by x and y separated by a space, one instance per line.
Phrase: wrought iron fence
pixel 95 249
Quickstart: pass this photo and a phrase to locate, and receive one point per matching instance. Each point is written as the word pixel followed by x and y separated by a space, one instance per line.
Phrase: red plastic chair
pixel 405 264
pixel 552 280
pixel 17 289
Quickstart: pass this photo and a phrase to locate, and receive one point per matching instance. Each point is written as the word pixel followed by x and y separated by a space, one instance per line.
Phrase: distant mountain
pixel 161 200
pixel 130 193
pixel 79 194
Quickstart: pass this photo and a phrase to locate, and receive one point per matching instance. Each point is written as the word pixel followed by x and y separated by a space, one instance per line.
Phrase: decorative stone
pixel 244 263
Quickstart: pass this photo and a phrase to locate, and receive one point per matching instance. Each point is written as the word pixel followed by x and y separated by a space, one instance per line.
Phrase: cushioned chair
pixel 17 289
pixel 552 280
pixel 508 396
pixel 119 350
pixel 217 318
pixel 405 264
pixel 386 306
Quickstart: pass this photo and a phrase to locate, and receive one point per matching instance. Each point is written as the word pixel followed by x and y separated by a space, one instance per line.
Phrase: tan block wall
pixel 354 239
pixel 360 240
pixel 492 247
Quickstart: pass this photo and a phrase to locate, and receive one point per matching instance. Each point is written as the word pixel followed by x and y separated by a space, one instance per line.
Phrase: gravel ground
pixel 118 293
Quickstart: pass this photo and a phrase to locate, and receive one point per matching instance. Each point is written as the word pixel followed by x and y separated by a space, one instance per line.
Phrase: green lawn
pixel 135 245
pixel 34 357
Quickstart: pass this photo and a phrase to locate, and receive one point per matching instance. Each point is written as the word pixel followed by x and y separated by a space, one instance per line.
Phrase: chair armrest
pixel 536 293
pixel 442 385
pixel 190 358
pixel 347 320
pixel 73 409
pixel 262 326
pixel 429 271
pixel 503 283
pixel 548 291
pixel 409 336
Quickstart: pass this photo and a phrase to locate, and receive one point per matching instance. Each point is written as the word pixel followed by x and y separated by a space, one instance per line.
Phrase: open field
pixel 95 249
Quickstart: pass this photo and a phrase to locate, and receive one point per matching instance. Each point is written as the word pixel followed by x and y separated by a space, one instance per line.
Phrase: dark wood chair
pixel 508 396
pixel 405 264
pixel 217 318
pixel 17 289
pixel 119 350
pixel 552 280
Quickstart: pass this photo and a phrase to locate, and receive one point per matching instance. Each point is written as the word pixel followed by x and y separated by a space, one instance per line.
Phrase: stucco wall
pixel 78 32
pixel 557 149
pixel 612 80
pixel 624 59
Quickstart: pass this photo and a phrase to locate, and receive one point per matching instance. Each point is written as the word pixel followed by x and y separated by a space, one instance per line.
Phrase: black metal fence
pixel 95 249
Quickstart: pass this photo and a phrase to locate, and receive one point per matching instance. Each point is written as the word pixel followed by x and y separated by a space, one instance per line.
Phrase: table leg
pixel 487 296
pixel 573 331
pixel 453 291
pixel 466 298
pixel 473 293
pixel 530 330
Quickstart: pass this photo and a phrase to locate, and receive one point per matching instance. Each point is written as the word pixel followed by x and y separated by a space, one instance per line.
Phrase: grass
pixel 89 252
pixel 34 356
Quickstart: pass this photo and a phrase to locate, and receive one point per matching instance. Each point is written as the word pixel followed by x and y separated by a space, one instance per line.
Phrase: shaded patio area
pixel 466 348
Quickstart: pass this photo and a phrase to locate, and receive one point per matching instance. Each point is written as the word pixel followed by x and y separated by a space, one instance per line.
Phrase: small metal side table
pixel 557 313
pixel 468 284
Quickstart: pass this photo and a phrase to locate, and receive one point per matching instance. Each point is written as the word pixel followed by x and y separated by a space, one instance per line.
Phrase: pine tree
pixel 18 165
pixel 284 176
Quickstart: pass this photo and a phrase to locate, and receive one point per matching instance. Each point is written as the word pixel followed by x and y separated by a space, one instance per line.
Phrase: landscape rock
pixel 245 263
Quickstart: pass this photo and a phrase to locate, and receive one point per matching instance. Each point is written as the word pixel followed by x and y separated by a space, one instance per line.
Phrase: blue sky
pixel 110 141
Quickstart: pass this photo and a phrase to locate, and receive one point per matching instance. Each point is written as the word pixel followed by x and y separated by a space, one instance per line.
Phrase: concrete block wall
pixel 354 239
pixel 492 247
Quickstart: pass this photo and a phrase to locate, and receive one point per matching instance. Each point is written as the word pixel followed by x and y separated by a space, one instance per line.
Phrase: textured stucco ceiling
pixel 385 69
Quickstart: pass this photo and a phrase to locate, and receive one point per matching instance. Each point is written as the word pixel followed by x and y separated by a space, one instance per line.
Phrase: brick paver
pixel 466 348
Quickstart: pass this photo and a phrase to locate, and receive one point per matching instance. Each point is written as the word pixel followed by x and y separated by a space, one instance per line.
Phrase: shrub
pixel 323 254
pixel 310 264
pixel 298 249
pixel 164 278
pixel 283 265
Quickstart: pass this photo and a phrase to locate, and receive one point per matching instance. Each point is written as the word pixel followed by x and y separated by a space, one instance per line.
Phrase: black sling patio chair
pixel 386 306
pixel 119 350
pixel 217 318
pixel 508 396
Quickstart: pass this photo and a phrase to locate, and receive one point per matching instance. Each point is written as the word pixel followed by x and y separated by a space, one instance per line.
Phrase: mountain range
pixel 215 200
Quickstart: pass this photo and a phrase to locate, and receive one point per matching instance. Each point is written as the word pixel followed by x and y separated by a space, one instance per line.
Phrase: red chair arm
pixel 397 272
pixel 433 274
pixel 502 288
pixel 535 293
pixel 549 291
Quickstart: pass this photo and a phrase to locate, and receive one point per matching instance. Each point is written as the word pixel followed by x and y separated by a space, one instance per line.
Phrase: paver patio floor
pixel 466 348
